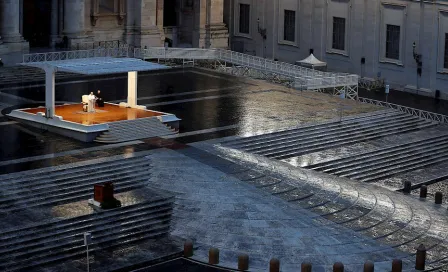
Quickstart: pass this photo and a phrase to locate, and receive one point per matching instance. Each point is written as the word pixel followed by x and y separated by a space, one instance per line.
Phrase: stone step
pixel 136 129
pixel 53 237
pixel 324 134
pixel 354 158
pixel 67 171
pixel 70 249
pixel 341 142
pixel 355 134
pixel 275 135
pixel 81 190
pixel 71 185
pixel 385 166
pixel 31 230
pixel 386 159
pixel 45 184
pixel 391 171
pixel 87 194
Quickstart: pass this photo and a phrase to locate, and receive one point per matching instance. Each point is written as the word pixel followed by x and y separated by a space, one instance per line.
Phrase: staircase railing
pixel 436 117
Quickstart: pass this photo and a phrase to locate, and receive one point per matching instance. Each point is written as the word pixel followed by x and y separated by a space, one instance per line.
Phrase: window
pixel 338 33
pixel 289 27
pixel 393 42
pixel 106 6
pixel 445 60
pixel 244 18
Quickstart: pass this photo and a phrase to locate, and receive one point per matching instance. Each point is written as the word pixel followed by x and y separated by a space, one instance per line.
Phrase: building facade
pixel 405 42
pixel 45 23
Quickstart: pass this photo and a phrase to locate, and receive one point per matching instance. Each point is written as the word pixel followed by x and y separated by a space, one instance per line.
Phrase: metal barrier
pixel 243 64
pixel 440 118
pixel 78 54
pixel 100 44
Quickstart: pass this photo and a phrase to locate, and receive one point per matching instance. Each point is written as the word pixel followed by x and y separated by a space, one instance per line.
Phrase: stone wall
pixel 424 23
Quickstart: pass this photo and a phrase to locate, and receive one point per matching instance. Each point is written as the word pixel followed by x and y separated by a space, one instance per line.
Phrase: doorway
pixel 37 22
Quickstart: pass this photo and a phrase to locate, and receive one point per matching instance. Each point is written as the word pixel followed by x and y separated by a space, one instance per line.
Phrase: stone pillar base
pixel 75 39
pixel 10 47
pixel 151 37
pixel 219 37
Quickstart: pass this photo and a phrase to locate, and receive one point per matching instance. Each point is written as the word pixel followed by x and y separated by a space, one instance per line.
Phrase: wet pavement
pixel 236 201
pixel 203 99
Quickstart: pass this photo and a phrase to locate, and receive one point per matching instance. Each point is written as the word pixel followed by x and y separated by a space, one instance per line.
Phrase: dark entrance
pixel 169 13
pixel 37 22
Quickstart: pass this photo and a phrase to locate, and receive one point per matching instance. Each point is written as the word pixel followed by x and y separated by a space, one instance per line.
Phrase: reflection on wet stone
pixel 273 205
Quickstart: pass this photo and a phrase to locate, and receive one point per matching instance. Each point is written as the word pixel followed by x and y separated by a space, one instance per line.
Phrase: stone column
pixel 212 32
pixel 159 15
pixel 60 17
pixel 74 21
pixel 10 27
pixel 10 21
pixel 218 30
pixel 146 30
pixel 21 17
pixel 54 22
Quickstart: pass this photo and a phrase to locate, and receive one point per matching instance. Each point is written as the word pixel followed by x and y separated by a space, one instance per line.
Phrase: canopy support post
pixel 49 91
pixel 132 89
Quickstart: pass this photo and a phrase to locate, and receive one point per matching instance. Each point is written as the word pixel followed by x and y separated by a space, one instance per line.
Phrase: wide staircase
pixel 69 185
pixel 53 240
pixel 389 161
pixel 129 130
pixel 308 139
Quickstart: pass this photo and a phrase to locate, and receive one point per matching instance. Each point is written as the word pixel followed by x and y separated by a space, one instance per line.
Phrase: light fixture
pixel 262 31
pixel 418 59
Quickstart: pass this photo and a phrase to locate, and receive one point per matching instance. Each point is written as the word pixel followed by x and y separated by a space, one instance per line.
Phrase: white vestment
pixel 91 106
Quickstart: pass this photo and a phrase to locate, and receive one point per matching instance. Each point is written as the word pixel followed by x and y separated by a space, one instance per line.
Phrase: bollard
pixel 397 265
pixel 423 191
pixel 420 258
pixel 213 256
pixel 369 266
pixel 306 267
pixel 188 249
pixel 407 187
pixel 243 262
pixel 338 267
pixel 274 265
pixel 438 198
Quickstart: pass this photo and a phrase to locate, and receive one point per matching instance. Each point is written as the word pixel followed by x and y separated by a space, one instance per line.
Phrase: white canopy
pixel 98 65
pixel 311 61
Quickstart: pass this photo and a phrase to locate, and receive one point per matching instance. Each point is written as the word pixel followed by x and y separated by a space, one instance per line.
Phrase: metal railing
pixel 436 117
pixel 304 76
pixel 100 44
pixel 78 54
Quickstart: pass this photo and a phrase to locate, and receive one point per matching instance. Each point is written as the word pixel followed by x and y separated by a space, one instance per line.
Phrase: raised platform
pixel 108 113
pixel 71 121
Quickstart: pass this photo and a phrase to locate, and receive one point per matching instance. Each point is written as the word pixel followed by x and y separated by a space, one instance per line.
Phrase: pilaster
pixel 74 21
pixel 10 27
pixel 212 32
pixel 146 31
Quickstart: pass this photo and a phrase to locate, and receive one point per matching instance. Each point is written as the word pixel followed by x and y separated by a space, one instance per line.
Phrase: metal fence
pixel 304 76
pixel 436 117
pixel 100 44
pixel 78 54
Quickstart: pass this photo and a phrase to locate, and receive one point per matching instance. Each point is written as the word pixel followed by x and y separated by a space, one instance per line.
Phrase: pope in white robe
pixel 92 99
